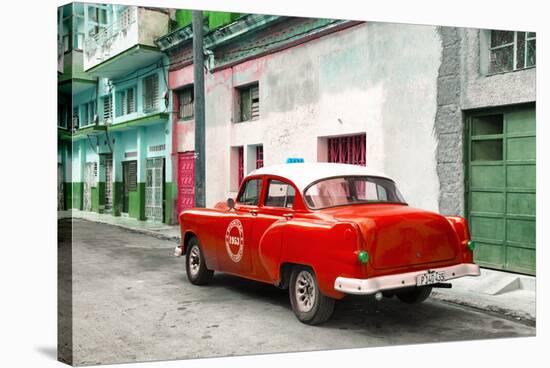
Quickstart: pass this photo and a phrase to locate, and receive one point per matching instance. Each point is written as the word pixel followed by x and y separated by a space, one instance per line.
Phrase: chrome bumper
pixel 375 284
pixel 177 251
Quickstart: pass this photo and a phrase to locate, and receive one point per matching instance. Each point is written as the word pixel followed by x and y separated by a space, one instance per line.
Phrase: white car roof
pixel 303 174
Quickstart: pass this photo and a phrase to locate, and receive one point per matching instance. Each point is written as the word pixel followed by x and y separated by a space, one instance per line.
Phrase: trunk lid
pixel 397 235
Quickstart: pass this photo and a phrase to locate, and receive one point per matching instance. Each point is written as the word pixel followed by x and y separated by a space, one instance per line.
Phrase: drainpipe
pixel 198 85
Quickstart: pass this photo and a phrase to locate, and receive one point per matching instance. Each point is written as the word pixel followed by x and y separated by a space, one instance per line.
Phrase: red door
pixel 186 180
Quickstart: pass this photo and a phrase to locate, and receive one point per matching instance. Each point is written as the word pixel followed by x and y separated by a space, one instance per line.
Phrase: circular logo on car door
pixel 234 240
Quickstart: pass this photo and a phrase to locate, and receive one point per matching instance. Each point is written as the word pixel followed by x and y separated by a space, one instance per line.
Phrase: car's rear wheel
pixel 415 295
pixel 308 303
pixel 197 272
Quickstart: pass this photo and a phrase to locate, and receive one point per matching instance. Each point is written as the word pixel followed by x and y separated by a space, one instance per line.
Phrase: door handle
pixel 253 212
pixel 288 216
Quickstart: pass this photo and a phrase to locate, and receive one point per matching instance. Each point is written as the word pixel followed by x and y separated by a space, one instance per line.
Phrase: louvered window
pixel 132 175
pixel 107 108
pixel 150 93
pixel 249 104
pixel 126 104
pixel 186 104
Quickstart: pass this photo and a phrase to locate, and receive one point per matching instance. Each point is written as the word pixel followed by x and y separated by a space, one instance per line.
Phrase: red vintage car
pixel 323 231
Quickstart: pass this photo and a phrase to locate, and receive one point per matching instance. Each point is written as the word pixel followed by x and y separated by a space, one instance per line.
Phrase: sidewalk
pixel 500 292
pixel 161 231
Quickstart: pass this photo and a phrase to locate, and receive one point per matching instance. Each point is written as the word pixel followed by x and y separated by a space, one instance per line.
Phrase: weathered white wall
pixel 375 78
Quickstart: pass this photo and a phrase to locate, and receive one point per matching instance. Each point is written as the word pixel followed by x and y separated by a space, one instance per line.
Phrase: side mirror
pixel 230 203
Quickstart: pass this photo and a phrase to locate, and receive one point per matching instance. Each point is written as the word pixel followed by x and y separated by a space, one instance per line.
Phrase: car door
pixel 277 205
pixel 234 249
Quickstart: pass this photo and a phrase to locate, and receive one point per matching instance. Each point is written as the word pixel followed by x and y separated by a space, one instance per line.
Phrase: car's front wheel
pixel 197 272
pixel 415 295
pixel 308 303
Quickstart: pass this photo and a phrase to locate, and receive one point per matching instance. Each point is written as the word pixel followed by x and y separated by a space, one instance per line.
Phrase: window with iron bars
pixel 509 51
pixel 126 102
pixel 150 92
pixel 259 156
pixel 186 98
pixel 249 102
pixel 348 149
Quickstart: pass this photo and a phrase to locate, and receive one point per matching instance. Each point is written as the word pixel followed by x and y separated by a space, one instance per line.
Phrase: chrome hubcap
pixel 194 260
pixel 305 291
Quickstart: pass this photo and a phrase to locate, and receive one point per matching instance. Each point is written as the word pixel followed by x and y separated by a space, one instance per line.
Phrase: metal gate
pixel 60 188
pixel 89 179
pixel 501 195
pixel 186 180
pixel 154 189
pixel 108 164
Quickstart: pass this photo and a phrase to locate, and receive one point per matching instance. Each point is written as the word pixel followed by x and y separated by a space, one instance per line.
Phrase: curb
pixel 458 299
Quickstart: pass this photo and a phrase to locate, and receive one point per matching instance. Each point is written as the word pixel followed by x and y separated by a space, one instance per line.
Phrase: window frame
pixel 241 91
pixel 243 190
pixel 180 93
pixel 514 46
pixel 266 194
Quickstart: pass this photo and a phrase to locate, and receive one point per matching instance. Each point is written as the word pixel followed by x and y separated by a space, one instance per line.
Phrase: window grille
pixel 348 149
pixel 157 148
pixel 130 154
pixel 259 156
pixel 186 104
pixel 151 92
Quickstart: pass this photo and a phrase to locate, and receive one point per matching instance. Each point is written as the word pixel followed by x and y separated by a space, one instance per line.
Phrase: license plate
pixel 429 278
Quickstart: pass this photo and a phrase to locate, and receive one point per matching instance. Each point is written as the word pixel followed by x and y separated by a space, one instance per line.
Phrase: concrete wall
pixel 376 78
pixel 479 90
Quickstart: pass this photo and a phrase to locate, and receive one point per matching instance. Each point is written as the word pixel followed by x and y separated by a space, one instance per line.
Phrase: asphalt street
pixel 132 302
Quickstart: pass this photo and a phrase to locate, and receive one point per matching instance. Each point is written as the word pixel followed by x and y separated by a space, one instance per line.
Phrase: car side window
pixel 250 195
pixel 279 194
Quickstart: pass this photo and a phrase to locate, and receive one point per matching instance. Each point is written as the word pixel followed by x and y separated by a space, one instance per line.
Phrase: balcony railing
pixel 106 35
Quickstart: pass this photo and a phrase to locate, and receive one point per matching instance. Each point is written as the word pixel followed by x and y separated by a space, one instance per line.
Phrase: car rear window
pixel 348 190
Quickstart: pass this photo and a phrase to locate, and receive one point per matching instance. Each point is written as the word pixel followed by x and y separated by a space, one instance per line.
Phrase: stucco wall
pixel 376 78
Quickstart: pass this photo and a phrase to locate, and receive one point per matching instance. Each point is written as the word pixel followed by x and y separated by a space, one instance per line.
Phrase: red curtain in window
pixel 348 149
pixel 241 165
pixel 259 156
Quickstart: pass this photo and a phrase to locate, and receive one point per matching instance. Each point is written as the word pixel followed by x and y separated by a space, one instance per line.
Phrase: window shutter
pixel 151 92
pixel 255 102
pixel 130 100
pixel 132 175
pixel 107 108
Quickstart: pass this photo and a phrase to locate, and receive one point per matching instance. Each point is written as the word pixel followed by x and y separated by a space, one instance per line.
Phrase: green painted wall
pixel 100 196
pixel 170 192
pixel 95 199
pixel 117 198
pixel 136 202
pixel 73 195
pixel 214 19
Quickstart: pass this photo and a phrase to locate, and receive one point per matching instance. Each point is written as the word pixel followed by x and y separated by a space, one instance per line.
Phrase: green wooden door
pixel 501 188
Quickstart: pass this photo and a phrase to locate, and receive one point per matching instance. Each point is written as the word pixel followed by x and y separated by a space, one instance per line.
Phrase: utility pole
pixel 198 85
